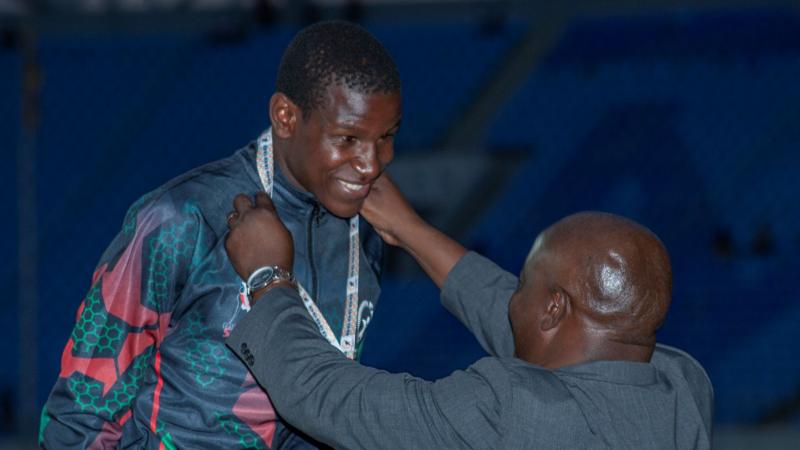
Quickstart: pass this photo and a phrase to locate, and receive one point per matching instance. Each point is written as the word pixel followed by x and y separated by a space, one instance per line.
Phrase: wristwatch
pixel 265 276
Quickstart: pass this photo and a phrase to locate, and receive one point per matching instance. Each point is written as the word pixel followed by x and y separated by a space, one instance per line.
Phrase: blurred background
pixel 682 116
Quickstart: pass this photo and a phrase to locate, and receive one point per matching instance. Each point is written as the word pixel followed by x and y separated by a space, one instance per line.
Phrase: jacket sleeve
pixel 344 404
pixel 119 326
pixel 477 292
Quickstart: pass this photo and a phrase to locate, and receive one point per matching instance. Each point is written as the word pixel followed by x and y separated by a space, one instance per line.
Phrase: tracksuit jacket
pixel 146 365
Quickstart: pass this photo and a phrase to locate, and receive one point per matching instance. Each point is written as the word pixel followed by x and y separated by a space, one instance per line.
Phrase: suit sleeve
pixel 119 326
pixel 477 292
pixel 346 405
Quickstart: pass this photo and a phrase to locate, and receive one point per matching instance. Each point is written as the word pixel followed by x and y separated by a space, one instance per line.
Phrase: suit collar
pixel 621 372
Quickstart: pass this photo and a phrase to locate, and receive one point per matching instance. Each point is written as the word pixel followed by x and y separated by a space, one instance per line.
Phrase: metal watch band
pixel 261 277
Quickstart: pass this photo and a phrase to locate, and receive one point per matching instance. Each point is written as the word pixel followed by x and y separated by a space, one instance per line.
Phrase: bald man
pixel 574 361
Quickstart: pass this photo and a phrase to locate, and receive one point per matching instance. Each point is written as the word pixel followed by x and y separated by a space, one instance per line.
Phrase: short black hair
pixel 334 52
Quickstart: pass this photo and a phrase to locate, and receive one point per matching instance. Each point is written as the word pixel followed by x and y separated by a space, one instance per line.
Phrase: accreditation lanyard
pixel 347 343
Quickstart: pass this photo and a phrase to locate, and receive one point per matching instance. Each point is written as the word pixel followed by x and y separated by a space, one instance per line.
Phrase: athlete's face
pixel 340 148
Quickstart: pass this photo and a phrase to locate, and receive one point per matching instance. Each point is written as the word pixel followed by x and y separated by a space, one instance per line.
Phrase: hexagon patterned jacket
pixel 146 365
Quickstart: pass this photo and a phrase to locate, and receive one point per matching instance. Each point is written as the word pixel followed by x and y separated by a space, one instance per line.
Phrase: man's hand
pixel 398 224
pixel 388 211
pixel 257 237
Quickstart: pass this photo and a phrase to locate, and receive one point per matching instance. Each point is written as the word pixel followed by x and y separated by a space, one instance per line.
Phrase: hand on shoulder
pixel 257 236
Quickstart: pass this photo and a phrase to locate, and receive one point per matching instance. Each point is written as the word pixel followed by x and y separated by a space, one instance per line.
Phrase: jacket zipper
pixel 310 239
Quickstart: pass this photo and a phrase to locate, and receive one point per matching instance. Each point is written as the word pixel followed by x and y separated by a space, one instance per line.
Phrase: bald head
pixel 594 284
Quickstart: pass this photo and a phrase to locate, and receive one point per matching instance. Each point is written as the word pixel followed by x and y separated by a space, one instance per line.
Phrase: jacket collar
pixel 621 372
pixel 284 193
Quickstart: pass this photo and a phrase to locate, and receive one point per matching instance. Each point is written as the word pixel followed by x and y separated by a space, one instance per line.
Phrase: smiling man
pixel 146 365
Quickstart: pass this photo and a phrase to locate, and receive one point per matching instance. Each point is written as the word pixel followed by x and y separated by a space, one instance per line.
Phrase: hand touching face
pixel 388 211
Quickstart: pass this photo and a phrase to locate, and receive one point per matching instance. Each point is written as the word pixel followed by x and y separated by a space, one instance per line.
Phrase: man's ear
pixel 283 115
pixel 555 311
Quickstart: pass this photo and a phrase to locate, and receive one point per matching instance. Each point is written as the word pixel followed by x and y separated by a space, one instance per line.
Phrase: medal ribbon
pixel 347 343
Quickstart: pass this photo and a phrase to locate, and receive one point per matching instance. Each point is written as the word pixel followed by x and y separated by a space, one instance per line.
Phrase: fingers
pixel 384 181
pixel 233 217
pixel 263 201
pixel 242 203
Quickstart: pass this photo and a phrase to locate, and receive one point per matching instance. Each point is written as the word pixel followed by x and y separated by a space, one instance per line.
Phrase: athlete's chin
pixel 343 209
pixel 344 200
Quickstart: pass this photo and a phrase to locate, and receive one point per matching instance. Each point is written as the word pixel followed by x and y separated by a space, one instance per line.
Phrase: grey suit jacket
pixel 498 402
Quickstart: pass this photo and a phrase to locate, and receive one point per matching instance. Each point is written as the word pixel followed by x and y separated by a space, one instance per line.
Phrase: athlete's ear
pixel 283 115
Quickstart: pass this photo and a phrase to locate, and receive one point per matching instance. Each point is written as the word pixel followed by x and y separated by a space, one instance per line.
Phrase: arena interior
pixel 682 115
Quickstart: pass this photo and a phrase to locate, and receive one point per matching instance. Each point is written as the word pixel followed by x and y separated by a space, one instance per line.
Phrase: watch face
pixel 261 277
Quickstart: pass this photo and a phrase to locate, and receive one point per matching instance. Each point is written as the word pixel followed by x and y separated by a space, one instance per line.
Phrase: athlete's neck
pixel 279 151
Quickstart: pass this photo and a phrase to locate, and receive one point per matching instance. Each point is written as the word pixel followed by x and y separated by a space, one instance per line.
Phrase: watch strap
pixel 258 280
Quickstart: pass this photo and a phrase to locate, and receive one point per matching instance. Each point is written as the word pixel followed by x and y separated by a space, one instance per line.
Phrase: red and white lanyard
pixel 347 343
